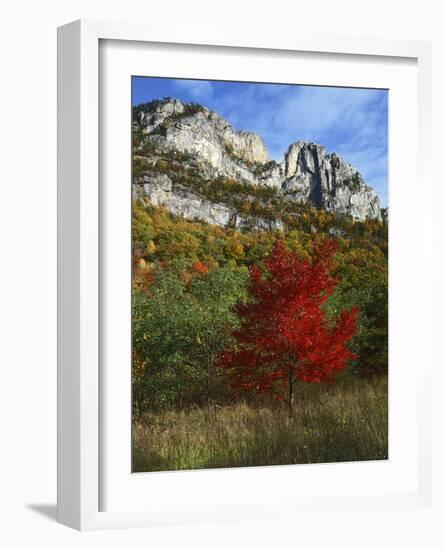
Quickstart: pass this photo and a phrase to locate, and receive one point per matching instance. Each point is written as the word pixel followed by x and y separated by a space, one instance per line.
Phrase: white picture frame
pixel 80 412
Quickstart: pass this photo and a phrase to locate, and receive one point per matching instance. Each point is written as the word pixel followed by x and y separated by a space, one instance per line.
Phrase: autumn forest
pixel 255 346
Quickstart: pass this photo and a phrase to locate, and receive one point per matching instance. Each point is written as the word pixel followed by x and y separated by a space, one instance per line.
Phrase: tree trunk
pixel 208 382
pixel 290 390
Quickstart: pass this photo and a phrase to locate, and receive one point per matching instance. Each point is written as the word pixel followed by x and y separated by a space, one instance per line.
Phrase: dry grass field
pixel 347 421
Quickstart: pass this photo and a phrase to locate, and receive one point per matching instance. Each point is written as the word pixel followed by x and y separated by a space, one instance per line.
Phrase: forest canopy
pixel 190 280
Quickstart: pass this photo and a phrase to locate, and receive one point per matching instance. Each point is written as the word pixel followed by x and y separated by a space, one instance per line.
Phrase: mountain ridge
pixel 175 143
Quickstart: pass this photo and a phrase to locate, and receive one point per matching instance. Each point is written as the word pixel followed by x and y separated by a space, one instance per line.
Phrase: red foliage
pixel 200 267
pixel 285 334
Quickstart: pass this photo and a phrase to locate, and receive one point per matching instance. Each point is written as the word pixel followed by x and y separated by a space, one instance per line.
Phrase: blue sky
pixel 348 121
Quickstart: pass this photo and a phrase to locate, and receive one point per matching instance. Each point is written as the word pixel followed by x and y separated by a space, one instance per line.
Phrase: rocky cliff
pixel 183 153
pixel 327 181
pixel 180 200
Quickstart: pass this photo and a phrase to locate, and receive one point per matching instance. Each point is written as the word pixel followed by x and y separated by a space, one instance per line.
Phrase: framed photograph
pixel 235 292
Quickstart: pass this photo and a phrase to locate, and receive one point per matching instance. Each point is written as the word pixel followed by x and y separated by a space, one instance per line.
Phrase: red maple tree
pixel 285 333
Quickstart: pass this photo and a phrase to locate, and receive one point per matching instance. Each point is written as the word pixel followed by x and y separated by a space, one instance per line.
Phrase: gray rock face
pixel 328 182
pixel 174 126
pixel 152 117
pixel 307 174
pixel 180 201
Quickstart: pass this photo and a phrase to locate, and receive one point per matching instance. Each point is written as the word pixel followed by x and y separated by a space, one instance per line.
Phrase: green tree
pixel 162 342
pixel 371 340
pixel 215 297
pixel 179 329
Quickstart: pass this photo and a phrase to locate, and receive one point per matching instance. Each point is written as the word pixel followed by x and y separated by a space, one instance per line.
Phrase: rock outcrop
pixel 328 182
pixel 181 201
pixel 173 126
pixel 208 143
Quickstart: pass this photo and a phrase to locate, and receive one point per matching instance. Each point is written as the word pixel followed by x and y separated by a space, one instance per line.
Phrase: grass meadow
pixel 347 421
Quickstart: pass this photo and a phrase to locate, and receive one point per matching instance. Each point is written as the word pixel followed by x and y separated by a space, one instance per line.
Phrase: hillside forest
pixel 261 346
